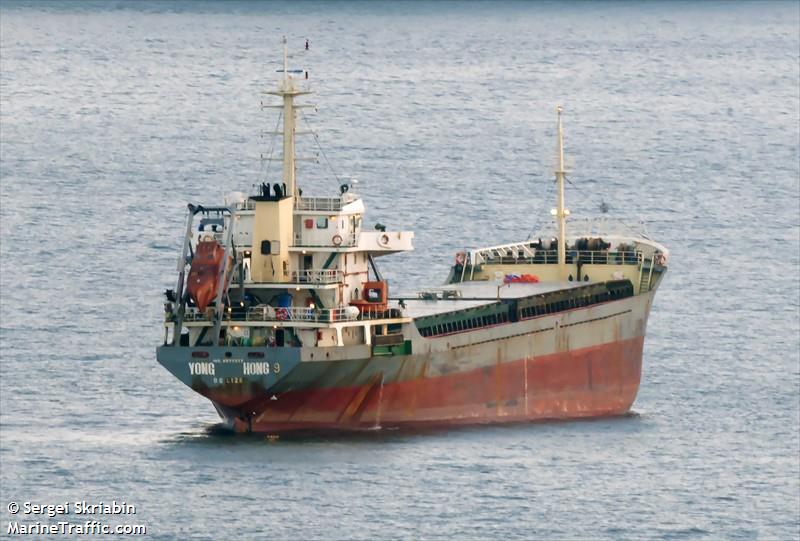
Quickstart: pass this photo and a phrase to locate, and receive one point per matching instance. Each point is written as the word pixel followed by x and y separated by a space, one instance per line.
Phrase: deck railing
pixel 309 276
pixel 346 241
pixel 592 257
pixel 371 312
pixel 317 276
pixel 302 203
pixel 318 203
pixel 247 204
pixel 295 313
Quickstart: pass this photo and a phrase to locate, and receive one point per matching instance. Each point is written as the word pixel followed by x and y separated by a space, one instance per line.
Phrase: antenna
pixel 285 63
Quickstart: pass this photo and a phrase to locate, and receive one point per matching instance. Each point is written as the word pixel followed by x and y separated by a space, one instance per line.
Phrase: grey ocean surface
pixel 115 115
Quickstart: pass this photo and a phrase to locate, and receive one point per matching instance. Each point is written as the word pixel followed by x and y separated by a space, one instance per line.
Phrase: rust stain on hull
pixel 593 382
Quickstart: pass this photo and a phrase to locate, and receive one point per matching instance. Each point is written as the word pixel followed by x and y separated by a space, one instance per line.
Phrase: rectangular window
pixel 322 222
pixel 276 247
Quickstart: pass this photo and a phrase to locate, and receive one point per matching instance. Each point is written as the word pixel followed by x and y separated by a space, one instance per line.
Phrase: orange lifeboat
pixel 204 273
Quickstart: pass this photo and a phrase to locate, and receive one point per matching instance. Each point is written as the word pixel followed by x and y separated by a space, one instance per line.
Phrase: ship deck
pixel 474 294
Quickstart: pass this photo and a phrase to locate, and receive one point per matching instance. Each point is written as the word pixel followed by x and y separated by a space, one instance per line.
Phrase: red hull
pixel 592 382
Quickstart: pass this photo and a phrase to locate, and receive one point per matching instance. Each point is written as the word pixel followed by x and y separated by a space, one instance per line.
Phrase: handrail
pixel 378 312
pixel 348 240
pixel 294 313
pixel 247 204
pixel 318 203
pixel 299 314
pixel 318 276
pixel 592 257
pixel 309 276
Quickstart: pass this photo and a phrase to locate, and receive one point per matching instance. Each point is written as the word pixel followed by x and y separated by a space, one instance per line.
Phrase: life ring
pixel 337 240
pixel 660 259
pixel 460 257
pixel 208 238
pixel 282 314
pixel 383 240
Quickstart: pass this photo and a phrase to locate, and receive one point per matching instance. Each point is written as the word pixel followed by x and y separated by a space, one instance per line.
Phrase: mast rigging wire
pixel 272 147
pixel 319 146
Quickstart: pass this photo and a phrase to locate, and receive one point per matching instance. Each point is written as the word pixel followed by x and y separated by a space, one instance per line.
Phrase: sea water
pixel 115 115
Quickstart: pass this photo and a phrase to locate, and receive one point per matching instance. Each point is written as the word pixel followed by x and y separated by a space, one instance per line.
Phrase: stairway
pixel 647 274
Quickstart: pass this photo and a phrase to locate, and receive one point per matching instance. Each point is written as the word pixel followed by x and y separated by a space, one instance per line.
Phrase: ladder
pixel 646 275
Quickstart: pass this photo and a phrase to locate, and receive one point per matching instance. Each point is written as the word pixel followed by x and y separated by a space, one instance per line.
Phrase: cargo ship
pixel 283 320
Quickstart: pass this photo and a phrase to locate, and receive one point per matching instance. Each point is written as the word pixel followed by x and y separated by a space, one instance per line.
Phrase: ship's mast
pixel 288 90
pixel 288 124
pixel 561 212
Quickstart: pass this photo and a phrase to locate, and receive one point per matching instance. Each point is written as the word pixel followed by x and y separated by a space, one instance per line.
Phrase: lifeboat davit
pixel 204 273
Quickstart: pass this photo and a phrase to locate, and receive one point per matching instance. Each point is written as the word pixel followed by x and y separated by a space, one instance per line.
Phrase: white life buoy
pixel 383 240
pixel 208 238
pixel 337 240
